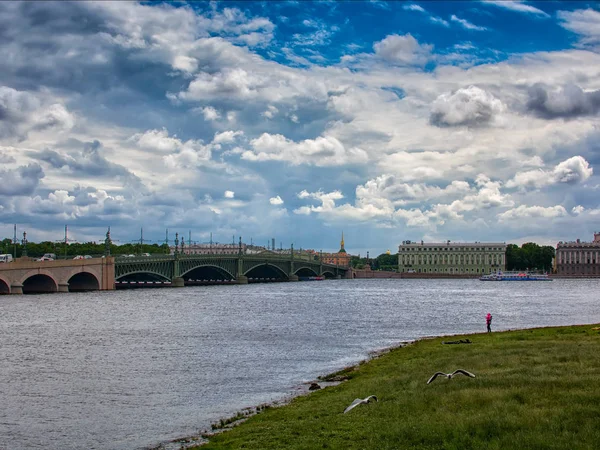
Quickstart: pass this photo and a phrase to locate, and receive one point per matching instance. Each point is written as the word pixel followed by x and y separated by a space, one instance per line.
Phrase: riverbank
pixel 534 388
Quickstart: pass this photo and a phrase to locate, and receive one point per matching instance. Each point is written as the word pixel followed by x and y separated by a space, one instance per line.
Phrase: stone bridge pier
pixel 25 276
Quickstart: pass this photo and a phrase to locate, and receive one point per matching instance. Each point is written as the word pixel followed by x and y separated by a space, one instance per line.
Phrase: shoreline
pixel 303 389
pixel 331 379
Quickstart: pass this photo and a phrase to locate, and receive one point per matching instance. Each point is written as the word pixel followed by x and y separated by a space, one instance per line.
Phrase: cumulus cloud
pixel 532 212
pixel 229 194
pixel 227 137
pixel 180 153
pixel 566 101
pixel 276 200
pixel 210 113
pixel 322 151
pixel 403 50
pixel 327 201
pixel 571 171
pixel 22 112
pixel 21 181
pixel 470 106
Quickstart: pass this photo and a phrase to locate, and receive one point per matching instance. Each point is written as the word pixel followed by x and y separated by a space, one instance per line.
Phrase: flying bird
pixel 358 401
pixel 450 375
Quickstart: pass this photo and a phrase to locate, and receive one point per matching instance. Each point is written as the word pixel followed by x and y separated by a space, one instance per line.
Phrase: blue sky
pixel 468 121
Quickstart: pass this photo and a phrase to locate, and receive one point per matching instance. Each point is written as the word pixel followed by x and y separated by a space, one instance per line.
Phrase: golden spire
pixel 342 249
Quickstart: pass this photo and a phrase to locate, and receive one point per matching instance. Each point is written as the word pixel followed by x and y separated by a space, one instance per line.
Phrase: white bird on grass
pixel 358 401
pixel 450 375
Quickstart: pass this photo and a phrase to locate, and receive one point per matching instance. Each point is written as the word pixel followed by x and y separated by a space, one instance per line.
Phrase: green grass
pixel 535 389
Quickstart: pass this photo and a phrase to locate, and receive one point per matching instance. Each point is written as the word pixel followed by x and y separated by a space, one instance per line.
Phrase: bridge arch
pixel 4 286
pixel 306 272
pixel 142 275
pixel 83 281
pixel 266 270
pixel 39 283
pixel 328 274
pixel 212 271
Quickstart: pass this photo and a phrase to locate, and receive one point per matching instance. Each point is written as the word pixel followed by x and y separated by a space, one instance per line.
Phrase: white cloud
pixel 532 212
pixel 327 201
pixel 518 6
pixel 577 209
pixel 210 113
pixel 227 137
pixel 466 24
pixel 157 140
pixel 276 200
pixel 467 106
pixel 573 170
pixel 585 22
pixel 270 112
pixel 322 151
pixel 404 50
pixel 229 194
pixel 413 7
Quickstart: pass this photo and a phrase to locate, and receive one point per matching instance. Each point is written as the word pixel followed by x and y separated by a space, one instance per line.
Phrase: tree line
pixel 70 250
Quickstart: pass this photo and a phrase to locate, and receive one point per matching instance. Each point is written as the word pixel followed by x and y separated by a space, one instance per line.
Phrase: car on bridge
pixel 45 258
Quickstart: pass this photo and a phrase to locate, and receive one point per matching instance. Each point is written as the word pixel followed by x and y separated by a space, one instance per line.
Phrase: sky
pixel 297 120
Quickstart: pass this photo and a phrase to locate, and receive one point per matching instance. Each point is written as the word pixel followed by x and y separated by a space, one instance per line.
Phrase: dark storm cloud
pixel 87 162
pixel 20 181
pixel 566 101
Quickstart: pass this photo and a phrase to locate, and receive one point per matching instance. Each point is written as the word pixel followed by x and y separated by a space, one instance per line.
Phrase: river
pixel 132 369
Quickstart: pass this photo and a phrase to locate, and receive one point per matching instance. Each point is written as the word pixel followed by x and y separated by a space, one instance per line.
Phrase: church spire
pixel 342 249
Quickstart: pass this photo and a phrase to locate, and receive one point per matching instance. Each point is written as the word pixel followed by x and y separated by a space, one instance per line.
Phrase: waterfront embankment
pixel 534 388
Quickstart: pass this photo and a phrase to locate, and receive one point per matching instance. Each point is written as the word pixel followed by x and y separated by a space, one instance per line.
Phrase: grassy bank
pixel 534 389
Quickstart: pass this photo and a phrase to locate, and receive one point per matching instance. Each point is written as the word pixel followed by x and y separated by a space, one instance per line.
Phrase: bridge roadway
pixel 27 276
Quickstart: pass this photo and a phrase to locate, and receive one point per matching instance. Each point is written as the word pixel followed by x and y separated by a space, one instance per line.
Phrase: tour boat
pixel 515 276
pixel 319 278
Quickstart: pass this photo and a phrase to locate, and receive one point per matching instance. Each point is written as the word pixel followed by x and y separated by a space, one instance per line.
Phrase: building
pixel 451 258
pixel 578 258
pixel 341 258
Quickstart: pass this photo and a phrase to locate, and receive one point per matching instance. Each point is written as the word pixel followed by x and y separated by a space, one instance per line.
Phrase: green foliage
pixel 61 250
pixel 530 256
pixel 534 389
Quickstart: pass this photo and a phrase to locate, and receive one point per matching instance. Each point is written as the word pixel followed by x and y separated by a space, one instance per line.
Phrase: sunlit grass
pixel 534 389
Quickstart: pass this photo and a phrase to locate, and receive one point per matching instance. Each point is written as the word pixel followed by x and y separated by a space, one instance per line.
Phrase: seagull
pixel 358 401
pixel 450 375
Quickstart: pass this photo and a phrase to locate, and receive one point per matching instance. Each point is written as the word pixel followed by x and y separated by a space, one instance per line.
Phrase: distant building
pixel 451 258
pixel 341 258
pixel 578 258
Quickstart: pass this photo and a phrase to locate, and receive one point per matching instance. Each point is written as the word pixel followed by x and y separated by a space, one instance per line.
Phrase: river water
pixel 132 369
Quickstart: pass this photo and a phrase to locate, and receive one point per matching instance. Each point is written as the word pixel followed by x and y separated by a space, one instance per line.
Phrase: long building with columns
pixel 451 258
pixel 578 258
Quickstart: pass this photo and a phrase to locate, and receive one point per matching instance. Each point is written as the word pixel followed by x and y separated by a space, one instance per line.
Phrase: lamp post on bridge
pixel 240 278
pixel 24 242
pixel 292 276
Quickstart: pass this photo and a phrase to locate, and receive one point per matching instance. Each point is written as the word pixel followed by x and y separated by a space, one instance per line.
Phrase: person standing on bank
pixel 488 321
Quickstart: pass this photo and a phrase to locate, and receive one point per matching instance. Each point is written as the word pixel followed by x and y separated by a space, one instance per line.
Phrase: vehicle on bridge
pixel 6 258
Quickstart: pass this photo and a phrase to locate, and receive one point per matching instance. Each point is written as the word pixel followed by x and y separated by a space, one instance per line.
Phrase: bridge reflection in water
pixel 25 276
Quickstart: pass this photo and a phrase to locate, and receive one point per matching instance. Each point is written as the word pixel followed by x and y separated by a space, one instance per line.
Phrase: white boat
pixel 515 276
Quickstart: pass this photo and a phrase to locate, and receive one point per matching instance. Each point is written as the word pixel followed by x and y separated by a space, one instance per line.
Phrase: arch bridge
pixel 181 270
pixel 25 276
